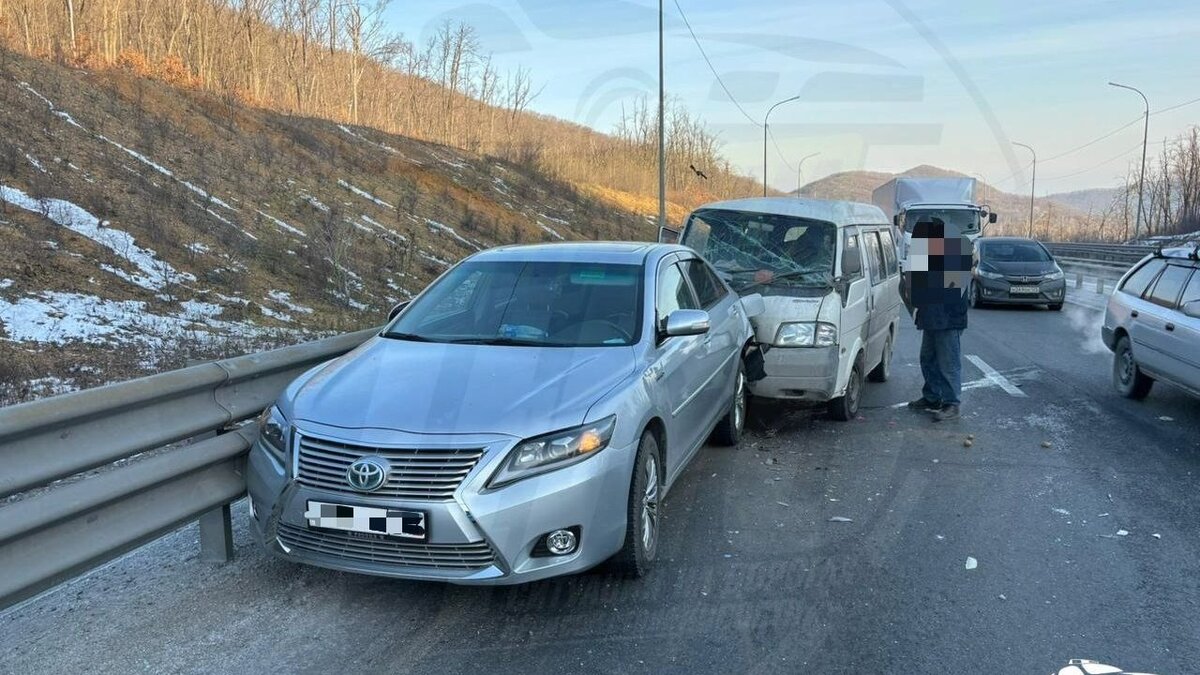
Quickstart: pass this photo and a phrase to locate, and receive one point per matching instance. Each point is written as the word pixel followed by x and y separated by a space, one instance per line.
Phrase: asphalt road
pixel 753 575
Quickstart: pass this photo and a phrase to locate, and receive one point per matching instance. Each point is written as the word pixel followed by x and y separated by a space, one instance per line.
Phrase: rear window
pixel 1169 285
pixel 1192 292
pixel 1137 282
pixel 1020 251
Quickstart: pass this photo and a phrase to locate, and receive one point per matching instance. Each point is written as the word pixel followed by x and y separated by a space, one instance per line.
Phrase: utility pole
pixel 662 131
pixel 1145 137
pixel 800 172
pixel 1032 184
pixel 766 119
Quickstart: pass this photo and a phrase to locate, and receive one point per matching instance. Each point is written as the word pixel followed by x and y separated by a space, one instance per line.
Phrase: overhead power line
pixel 779 151
pixel 1094 166
pixel 712 68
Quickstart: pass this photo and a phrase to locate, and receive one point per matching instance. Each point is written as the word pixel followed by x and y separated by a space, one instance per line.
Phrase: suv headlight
pixel 553 451
pixel 274 432
pixel 806 334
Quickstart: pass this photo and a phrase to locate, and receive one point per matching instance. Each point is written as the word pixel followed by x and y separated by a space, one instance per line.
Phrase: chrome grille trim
pixel 472 556
pixel 421 474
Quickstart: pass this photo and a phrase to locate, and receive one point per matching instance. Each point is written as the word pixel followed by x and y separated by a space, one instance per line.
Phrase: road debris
pixel 939 537
pixel 970 437
pixel 1165 418
pixel 1002 597
pixel 1122 533
pixel 971 563
pixel 1102 515
pixel 1156 535
pixel 841 519
pixel 1046 444
pixel 968 443
pixel 783 504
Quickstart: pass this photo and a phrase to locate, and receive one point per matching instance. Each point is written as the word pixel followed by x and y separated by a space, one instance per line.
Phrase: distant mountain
pixel 1094 200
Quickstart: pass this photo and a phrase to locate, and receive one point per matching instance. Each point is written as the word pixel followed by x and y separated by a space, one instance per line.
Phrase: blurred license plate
pixel 1024 290
pixel 367 520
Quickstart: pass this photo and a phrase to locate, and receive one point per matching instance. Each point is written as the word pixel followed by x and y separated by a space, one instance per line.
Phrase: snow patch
pixel 36 164
pixel 284 298
pixel 551 232
pixel 435 225
pixel 282 225
pixel 364 194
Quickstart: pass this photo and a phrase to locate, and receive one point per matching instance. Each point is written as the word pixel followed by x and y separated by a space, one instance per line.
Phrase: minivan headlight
pixel 806 334
pixel 273 432
pixel 556 450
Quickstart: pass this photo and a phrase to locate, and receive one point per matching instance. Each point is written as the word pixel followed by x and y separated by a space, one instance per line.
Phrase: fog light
pixel 561 542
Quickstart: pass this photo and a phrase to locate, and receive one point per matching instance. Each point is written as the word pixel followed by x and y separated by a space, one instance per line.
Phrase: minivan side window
pixel 889 252
pixel 1139 281
pixel 850 243
pixel 1170 284
pixel 709 290
pixel 874 256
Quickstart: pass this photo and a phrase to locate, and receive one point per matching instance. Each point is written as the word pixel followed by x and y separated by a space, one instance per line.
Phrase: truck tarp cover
pixel 900 193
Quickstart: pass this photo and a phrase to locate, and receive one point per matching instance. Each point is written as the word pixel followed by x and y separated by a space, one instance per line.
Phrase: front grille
pixel 432 474
pixel 473 556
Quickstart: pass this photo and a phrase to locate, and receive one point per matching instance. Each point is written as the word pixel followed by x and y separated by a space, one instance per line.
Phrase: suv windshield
pixel 966 220
pixel 1013 251
pixel 763 249
pixel 542 304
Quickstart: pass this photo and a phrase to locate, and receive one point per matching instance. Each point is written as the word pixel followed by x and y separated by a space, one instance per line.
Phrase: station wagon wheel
pixel 729 430
pixel 642 512
pixel 1128 379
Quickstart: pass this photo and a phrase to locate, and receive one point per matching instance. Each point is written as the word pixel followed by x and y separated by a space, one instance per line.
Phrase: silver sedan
pixel 522 418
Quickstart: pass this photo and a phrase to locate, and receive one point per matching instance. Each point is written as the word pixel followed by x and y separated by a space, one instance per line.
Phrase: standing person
pixel 939 262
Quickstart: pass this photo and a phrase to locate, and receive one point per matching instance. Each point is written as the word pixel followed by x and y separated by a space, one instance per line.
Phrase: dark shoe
pixel 924 404
pixel 947 412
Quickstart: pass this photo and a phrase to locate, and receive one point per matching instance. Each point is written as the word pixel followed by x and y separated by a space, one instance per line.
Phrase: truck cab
pixel 907 201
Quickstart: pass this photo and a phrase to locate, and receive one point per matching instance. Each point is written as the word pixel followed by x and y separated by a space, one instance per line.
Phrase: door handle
pixel 1170 326
pixel 1134 314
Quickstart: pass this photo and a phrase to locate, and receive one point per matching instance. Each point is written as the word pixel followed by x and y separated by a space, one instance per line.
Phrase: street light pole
pixel 1032 184
pixel 1145 137
pixel 800 172
pixel 766 120
pixel 662 132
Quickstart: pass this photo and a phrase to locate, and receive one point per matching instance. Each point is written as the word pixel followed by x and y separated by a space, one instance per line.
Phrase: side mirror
pixel 1192 309
pixel 851 262
pixel 753 305
pixel 668 236
pixel 687 322
pixel 896 220
pixel 992 217
pixel 397 309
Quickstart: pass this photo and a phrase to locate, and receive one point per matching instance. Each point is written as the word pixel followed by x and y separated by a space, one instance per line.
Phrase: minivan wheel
pixel 883 370
pixel 729 430
pixel 1128 379
pixel 641 516
pixel 845 407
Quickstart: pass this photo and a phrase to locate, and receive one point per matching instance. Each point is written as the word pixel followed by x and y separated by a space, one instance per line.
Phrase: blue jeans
pixel 941 364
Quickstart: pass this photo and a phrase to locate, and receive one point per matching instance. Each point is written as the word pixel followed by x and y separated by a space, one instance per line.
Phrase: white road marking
pixel 1000 380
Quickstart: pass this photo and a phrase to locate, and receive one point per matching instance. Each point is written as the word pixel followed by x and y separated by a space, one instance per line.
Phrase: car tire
pixel 883 371
pixel 1056 307
pixel 845 407
pixel 642 512
pixel 729 430
pixel 976 298
pixel 1128 378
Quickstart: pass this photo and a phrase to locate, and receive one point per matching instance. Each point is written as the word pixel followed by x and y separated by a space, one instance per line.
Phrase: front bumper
pixel 480 536
pixel 798 373
pixel 999 291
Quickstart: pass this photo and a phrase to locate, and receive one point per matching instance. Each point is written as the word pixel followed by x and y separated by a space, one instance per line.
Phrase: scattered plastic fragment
pixel 970 437
pixel 785 504
pixel 1166 418
pixel 972 563
pixel 939 537
pixel 841 519
pixel 936 461
pixel 967 443
pixel 1102 515
pixel 1062 511
pixel 1122 533
pixel 1156 535
pixel 1045 444
pixel 1002 597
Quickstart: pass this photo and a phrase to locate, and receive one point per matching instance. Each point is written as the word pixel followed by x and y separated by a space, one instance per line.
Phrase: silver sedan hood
pixel 440 388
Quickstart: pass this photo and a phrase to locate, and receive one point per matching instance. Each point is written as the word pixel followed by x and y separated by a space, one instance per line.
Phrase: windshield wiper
pixel 507 342
pixel 411 337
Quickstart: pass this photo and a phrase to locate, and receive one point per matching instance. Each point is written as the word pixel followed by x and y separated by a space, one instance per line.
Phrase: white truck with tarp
pixel 907 201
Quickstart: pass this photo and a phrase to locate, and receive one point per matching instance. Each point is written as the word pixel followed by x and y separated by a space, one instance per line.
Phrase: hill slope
pixel 145 226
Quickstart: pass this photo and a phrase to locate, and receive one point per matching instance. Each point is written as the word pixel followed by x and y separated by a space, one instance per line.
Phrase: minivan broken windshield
pixel 759 249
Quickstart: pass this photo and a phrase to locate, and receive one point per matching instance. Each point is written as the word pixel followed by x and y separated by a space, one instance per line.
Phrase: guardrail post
pixel 1079 280
pixel 1100 285
pixel 216 535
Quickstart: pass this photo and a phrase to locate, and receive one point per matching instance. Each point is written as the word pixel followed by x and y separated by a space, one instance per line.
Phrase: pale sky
pixel 884 84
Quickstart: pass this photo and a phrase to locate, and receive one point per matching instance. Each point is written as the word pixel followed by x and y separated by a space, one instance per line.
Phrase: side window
pixel 1192 291
pixel 709 290
pixel 889 252
pixel 850 246
pixel 1170 283
pixel 673 293
pixel 1137 282
pixel 874 256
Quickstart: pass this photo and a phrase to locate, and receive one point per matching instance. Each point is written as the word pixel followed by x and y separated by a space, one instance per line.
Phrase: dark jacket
pixel 951 314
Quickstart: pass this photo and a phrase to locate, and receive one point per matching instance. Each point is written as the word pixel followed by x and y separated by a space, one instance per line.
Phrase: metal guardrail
pixel 53 529
pixel 1115 253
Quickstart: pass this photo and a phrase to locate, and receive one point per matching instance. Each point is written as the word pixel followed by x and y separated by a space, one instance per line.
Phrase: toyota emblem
pixel 368 474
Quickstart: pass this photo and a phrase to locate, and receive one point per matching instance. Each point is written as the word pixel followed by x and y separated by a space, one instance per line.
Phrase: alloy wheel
pixel 650 506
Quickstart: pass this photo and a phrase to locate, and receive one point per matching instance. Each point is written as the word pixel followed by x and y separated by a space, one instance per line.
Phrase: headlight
pixel 989 275
pixel 273 432
pixel 1055 275
pixel 806 334
pixel 554 451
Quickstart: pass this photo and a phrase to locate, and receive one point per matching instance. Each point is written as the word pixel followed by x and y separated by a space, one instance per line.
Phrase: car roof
pixel 840 213
pixel 1007 240
pixel 612 252
pixel 1182 252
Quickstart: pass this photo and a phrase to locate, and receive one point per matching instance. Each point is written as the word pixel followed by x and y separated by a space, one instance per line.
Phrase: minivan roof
pixel 839 213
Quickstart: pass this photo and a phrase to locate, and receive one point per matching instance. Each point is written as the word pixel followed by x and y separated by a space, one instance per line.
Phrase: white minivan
pixel 830 281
